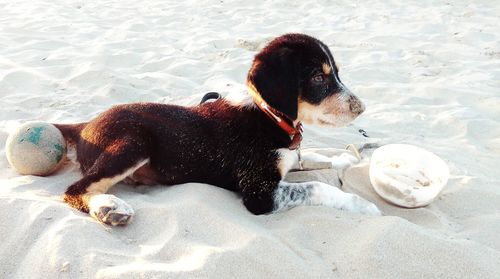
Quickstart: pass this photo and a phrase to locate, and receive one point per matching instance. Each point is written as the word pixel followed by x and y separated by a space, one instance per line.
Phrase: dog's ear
pixel 275 75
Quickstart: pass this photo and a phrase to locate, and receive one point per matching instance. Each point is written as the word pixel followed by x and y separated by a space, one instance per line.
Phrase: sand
pixel 428 71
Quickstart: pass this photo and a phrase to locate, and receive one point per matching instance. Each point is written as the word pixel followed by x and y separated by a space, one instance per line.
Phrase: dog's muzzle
pixel 355 105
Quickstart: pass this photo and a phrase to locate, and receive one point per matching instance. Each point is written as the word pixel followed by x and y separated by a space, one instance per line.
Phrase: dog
pixel 247 148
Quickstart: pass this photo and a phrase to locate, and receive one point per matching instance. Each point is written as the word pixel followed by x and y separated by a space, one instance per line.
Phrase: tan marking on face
pixel 337 110
pixel 326 69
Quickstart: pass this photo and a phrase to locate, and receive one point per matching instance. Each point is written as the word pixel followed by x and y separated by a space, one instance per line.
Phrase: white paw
pixel 343 161
pixel 110 210
pixel 359 205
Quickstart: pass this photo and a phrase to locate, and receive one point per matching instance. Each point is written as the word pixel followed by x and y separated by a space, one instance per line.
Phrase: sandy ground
pixel 428 71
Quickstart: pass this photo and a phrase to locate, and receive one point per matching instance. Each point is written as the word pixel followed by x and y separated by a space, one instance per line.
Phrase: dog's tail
pixel 71 132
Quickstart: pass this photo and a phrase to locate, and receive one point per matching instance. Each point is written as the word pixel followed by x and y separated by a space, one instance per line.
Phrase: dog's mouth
pixel 324 122
pixel 335 121
pixel 335 111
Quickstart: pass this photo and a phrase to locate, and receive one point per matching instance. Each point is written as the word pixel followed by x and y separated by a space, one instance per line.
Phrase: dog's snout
pixel 356 106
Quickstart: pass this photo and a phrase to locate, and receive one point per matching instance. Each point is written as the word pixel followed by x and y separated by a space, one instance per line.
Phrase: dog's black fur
pixel 219 143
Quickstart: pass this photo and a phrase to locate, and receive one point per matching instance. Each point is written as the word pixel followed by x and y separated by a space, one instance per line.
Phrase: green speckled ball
pixel 36 148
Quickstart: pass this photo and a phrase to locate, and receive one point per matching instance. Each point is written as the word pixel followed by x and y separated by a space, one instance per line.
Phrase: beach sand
pixel 428 72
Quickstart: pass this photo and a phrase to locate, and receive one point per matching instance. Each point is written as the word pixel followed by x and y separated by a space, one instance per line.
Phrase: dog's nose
pixel 357 107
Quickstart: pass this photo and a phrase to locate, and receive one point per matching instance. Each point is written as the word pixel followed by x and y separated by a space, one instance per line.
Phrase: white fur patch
pixel 241 99
pixel 103 185
pixel 288 159
pixel 315 193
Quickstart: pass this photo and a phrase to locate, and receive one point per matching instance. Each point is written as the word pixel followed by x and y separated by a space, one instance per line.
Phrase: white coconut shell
pixel 36 148
pixel 407 175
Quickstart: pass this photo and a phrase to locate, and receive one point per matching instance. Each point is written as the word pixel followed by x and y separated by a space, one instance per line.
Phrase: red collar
pixel 278 117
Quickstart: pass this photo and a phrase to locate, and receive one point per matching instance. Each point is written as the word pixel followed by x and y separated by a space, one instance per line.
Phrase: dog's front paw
pixel 359 205
pixel 110 210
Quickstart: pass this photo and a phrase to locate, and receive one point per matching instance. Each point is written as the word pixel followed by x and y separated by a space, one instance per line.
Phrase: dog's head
pixel 297 75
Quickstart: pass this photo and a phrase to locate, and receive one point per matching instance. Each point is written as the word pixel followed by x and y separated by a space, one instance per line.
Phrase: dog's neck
pixel 294 130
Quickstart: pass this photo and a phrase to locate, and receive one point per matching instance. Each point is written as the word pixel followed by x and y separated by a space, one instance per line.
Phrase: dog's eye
pixel 318 78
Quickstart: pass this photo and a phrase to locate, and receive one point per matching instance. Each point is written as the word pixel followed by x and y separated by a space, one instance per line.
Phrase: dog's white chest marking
pixel 288 159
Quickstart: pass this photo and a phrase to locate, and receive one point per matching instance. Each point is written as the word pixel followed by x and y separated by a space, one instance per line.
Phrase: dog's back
pixel 207 143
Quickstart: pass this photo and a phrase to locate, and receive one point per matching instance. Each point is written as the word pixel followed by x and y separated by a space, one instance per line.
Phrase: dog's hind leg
pixel 89 193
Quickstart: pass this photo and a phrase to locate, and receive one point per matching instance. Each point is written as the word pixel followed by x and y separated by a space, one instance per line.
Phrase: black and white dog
pixel 246 148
